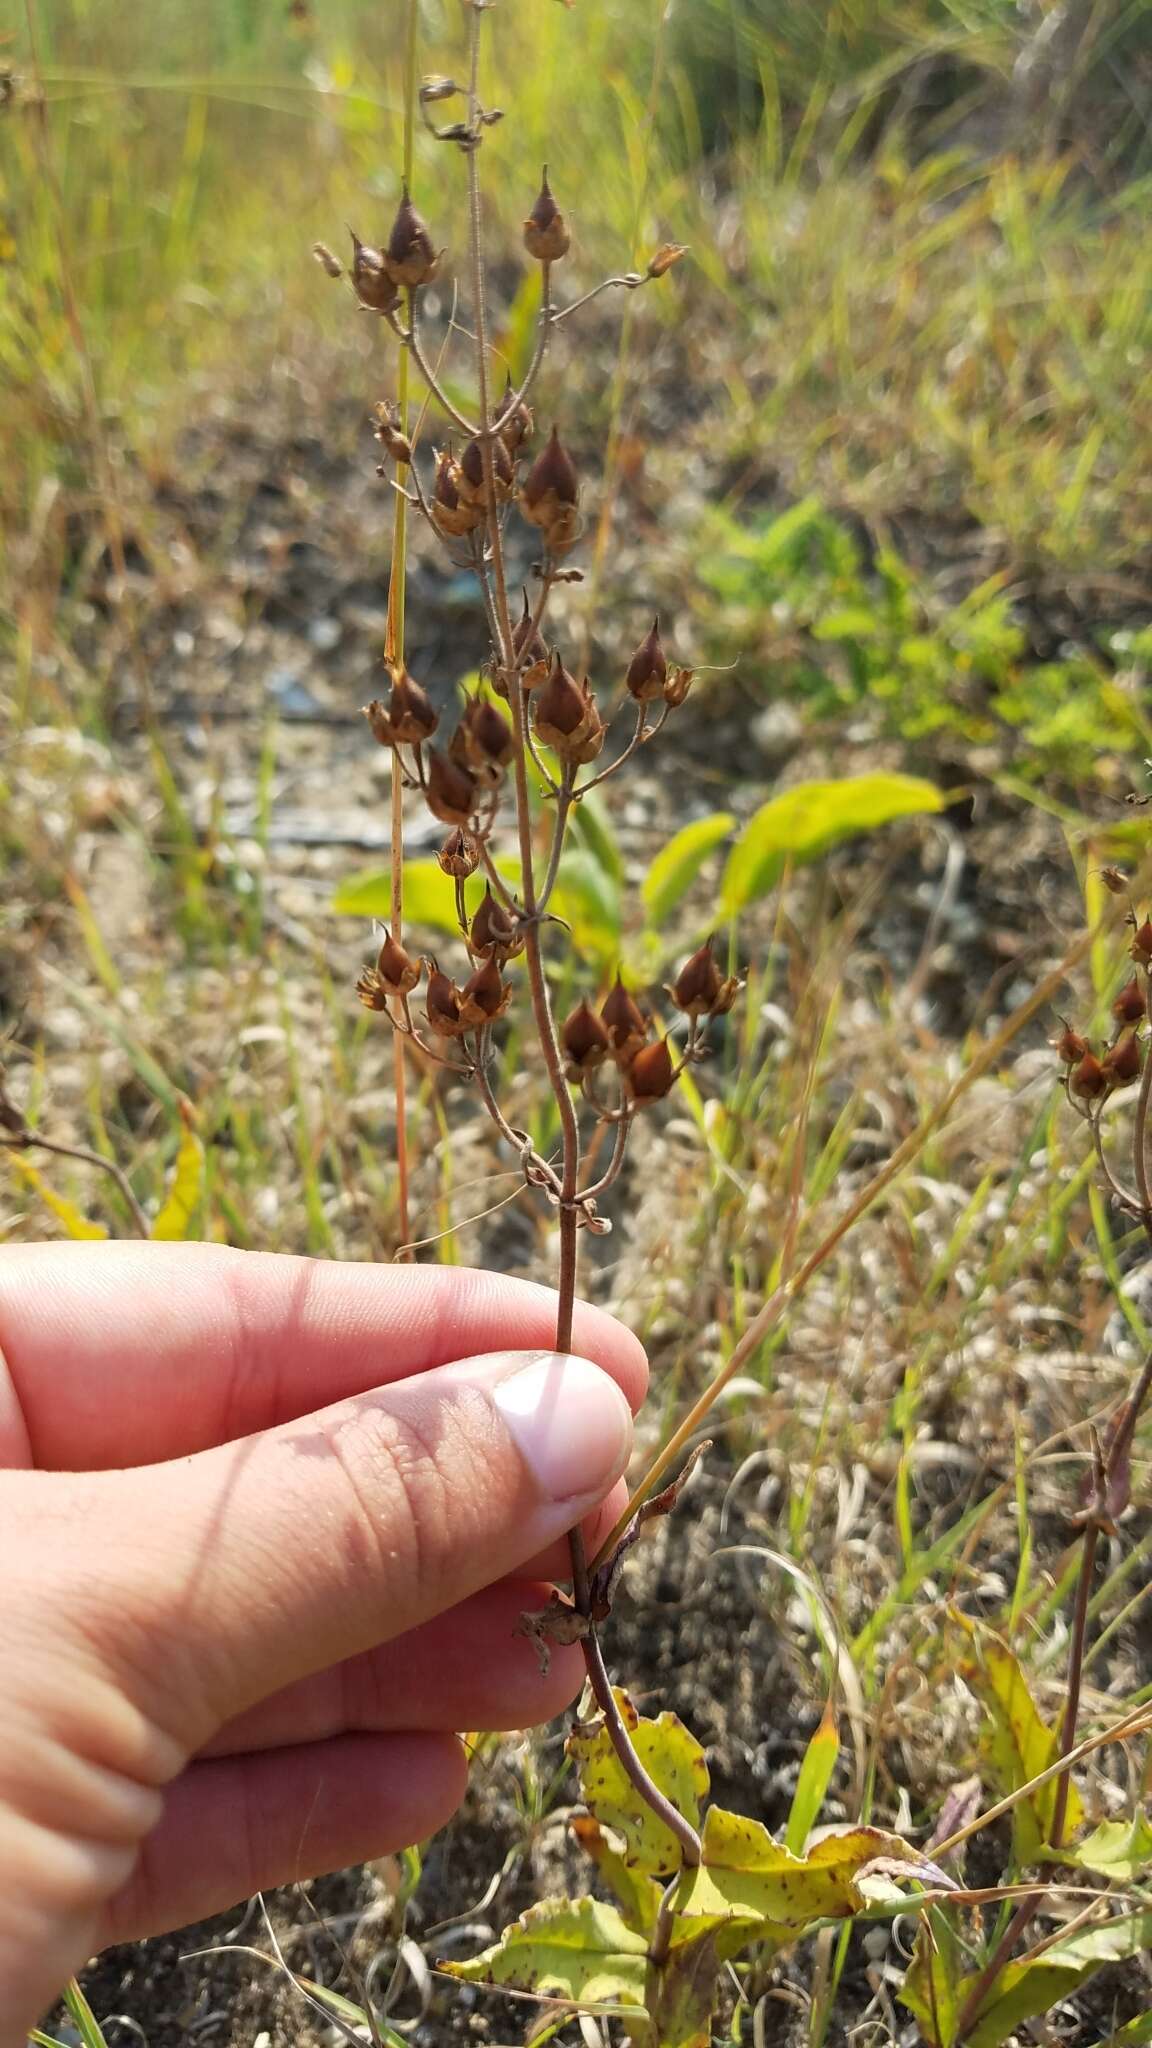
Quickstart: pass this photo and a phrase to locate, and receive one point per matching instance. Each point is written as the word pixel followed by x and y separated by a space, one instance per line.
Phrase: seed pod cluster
pixel 546 235
pixel 701 989
pixel 550 495
pixel 453 515
pixel 407 719
pixel 371 281
pixel 565 716
pixel 493 933
pixel 410 258
pixel 395 975
pixel 1092 1073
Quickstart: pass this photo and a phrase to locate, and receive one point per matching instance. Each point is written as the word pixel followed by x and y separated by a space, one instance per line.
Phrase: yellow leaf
pixel 673 1759
pixel 747 1875
pixel 187 1186
pixel 73 1219
pixel 576 1949
pixel 1018 1744
pixel 639 1895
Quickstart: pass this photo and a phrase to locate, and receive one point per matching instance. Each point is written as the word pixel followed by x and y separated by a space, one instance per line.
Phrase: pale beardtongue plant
pixel 606 1062
pixel 694 1888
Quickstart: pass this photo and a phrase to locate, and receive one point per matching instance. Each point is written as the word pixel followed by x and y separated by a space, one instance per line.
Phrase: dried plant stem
pixel 27 1141
pixel 531 908
pixel 394 653
pixel 662 1807
pixel 399 1071
pixel 1140 1142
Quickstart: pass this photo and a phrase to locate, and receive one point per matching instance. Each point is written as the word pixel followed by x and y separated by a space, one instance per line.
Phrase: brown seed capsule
pixel 370 279
pixel 566 716
pixel 648 670
pixel 1122 1063
pixel 1141 947
pixel 666 255
pixel 435 87
pixel 516 421
pixel 484 996
pixel 699 984
pixel 386 427
pixel 526 637
pixel 624 1020
pixel 1130 1006
pixel 407 718
pixel 1114 880
pixel 469 474
pixel 410 257
pixel 449 510
pixel 329 264
pixel 651 1073
pixel 1088 1078
pixel 492 930
pixel 442 1004
pixel 371 990
pixel 677 686
pixel 1069 1047
pixel 545 231
pixel 585 1040
pixel 396 968
pixel 487 733
pixel 549 495
pixel 450 792
pixel 459 856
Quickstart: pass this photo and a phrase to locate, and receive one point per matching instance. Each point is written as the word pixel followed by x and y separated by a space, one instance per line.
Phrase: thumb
pixel 255 1564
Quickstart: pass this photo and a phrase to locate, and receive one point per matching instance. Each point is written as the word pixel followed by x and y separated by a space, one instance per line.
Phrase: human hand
pixel 227 1480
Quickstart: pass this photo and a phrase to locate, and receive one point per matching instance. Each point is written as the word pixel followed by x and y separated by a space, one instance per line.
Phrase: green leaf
pixel 1136 2033
pixel 577 1949
pixel 811 1785
pixel 931 1987
pixel 176 1216
pixel 638 1896
pixel 592 825
pixel 747 1874
pixel 1018 1744
pixel 84 2019
pixel 74 1220
pixel 429 895
pixel 677 865
pixel 1025 1990
pixel 586 896
pixel 682 1993
pixel 1119 1849
pixel 588 900
pixel 809 820
pixel 673 1759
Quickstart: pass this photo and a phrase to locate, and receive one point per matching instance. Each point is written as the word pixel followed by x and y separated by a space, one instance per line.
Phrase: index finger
pixel 130 1353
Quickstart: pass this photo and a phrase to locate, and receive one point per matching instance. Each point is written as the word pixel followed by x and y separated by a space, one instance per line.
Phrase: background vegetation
pixel 882 443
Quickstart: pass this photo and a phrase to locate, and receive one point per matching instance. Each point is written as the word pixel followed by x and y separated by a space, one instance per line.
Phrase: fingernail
pixel 570 1422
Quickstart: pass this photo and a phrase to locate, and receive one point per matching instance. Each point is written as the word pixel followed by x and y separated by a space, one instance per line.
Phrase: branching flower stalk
pixel 551 735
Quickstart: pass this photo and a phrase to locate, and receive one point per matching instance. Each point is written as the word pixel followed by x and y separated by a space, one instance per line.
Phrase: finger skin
pixel 210 1582
pixel 239 1825
pixel 471 1668
pixel 126 1353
